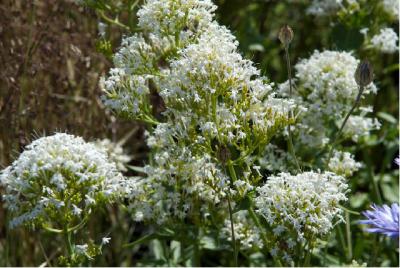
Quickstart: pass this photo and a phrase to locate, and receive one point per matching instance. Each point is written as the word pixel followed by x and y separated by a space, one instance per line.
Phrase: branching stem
pixel 344 123
pixel 67 240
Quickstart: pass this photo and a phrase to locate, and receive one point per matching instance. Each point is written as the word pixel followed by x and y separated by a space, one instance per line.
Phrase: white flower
pixel 81 249
pixel 55 169
pixel 105 240
pixel 274 251
pixel 246 232
pixel 343 163
pixel 75 210
pixel 324 7
pixel 385 41
pixel 115 153
pixel 364 31
pixel 391 7
pixel 359 126
pixel 102 27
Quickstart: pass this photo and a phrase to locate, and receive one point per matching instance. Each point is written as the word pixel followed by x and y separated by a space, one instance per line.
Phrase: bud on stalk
pixel 364 74
pixel 286 35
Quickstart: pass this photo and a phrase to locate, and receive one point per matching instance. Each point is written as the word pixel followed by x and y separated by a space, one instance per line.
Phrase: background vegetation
pixel 51 58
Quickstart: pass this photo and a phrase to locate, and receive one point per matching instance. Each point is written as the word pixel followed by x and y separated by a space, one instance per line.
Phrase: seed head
pixel 286 35
pixel 364 74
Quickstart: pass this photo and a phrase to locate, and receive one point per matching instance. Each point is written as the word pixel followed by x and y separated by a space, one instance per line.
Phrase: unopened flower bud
pixel 364 74
pixel 224 154
pixel 286 35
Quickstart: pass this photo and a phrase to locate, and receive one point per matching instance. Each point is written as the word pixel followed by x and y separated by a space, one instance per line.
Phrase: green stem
pixel 344 123
pixel 306 262
pixel 232 172
pixel 235 252
pixel 256 221
pixel 348 236
pixel 254 217
pixel 233 176
pixel 341 238
pixel 67 240
pixel 111 21
pixel 291 147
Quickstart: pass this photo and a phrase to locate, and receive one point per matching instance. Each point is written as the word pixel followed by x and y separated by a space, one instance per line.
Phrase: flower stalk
pixel 286 37
pixel 364 75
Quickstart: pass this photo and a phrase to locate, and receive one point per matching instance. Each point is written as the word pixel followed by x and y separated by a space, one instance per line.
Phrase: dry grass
pixel 49 75
pixel 49 82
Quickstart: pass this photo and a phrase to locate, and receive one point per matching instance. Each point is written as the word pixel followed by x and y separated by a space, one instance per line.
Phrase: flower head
pixel 385 41
pixel 115 153
pixel 300 208
pixel 384 219
pixel 51 180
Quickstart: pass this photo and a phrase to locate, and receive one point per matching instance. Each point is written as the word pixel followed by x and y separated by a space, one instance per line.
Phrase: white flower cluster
pixel 327 89
pixel 180 184
pixel 324 7
pixel 115 153
pixel 391 7
pixel 144 57
pixel 216 104
pixel 246 232
pixel 300 208
pixel 343 163
pixel 331 7
pixel 59 178
pixel 360 126
pixel 276 159
pixel 386 41
pixel 180 19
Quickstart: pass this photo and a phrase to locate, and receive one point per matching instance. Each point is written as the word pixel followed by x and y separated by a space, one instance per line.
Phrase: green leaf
pixel 358 200
pixel 141 240
pixel 244 204
pixel 136 168
pixel 208 242
pixel 176 251
pixel 256 47
pixel 388 117
pixel 390 192
pixel 157 248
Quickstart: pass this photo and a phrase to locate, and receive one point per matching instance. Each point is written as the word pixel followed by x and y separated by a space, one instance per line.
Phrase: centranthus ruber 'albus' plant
pixel 210 107
pixel 209 113
pixel 56 183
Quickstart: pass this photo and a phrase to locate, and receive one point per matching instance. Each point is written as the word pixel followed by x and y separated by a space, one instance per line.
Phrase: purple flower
pixel 383 220
pixel 397 161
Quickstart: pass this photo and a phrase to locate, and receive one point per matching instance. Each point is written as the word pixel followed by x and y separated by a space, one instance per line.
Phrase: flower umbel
pixel 58 180
pixel 384 220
